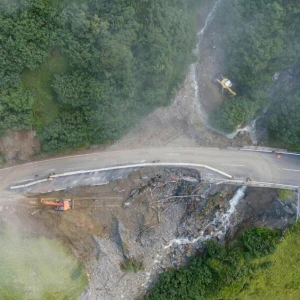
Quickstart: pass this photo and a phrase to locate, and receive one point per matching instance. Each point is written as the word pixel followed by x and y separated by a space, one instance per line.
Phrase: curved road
pixel 265 167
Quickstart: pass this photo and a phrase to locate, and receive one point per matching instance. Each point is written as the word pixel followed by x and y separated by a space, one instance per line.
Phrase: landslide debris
pixel 132 222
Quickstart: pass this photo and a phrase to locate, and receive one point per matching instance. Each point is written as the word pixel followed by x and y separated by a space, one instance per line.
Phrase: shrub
pixel 132 264
pixel 233 113
pixel 218 268
pixel 284 194
pixel 259 242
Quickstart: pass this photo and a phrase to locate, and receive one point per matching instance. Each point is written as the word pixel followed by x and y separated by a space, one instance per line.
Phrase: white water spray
pixel 207 22
pixel 193 74
pixel 193 67
pixel 250 128
pixel 220 224
pixel 225 219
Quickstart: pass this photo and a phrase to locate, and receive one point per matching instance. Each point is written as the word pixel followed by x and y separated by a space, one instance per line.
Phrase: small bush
pixel 266 265
pixel 259 242
pixel 284 194
pixel 232 113
pixel 132 264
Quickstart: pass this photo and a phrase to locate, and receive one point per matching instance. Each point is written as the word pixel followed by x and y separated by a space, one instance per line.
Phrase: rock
pixel 134 193
pixel 208 230
pixel 280 202
pixel 220 237
pixel 189 179
pixel 128 202
pixel 288 210
pixel 219 224
pixel 221 205
pixel 1 207
pixel 222 229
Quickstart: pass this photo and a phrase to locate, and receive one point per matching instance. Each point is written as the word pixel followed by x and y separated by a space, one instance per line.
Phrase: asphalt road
pixel 265 167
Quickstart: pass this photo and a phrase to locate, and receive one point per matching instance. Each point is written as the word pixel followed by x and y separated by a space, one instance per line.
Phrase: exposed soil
pixel 18 146
pixel 180 124
pixel 134 218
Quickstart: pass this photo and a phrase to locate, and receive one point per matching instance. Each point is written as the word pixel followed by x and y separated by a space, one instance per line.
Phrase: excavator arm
pixel 60 204
pixel 226 84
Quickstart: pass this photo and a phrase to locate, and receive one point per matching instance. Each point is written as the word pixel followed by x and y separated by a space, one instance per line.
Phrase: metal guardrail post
pixel 298 204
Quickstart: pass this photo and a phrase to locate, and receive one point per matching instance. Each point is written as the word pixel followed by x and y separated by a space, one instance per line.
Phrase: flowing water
pixel 220 224
pixel 193 68
pixel 219 227
pixel 250 128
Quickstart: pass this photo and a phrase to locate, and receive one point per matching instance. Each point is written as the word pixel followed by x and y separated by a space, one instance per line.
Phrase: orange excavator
pixel 59 204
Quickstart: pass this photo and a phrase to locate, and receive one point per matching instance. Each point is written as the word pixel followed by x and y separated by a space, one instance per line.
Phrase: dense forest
pixel 84 72
pixel 260 38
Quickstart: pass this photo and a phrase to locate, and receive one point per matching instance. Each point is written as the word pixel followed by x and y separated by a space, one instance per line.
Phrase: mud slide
pixel 184 122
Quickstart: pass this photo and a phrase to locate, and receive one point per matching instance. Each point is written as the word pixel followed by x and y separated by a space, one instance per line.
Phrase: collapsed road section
pixel 56 182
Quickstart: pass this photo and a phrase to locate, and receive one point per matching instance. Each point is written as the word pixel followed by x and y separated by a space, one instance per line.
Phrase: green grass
pixel 38 81
pixel 284 194
pixel 38 268
pixel 281 280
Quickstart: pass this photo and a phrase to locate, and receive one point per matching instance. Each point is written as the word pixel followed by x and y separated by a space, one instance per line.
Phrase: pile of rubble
pixel 202 201
pixel 169 187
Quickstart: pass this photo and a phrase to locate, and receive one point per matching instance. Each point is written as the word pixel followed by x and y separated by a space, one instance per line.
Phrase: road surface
pixel 265 167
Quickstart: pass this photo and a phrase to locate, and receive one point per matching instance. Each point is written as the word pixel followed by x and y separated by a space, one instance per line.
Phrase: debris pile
pixel 167 189
pixel 132 229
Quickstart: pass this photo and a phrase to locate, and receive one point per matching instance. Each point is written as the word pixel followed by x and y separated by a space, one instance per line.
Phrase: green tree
pixel 76 89
pixel 259 38
pixel 217 268
pixel 234 112
pixel 260 241
pixel 124 58
pixel 68 131
pixel 16 109
pixel 284 118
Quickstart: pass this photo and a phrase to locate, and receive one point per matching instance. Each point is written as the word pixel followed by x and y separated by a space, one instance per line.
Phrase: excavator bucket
pixel 67 205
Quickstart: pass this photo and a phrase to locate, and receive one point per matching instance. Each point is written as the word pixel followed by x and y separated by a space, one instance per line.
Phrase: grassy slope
pixel 282 279
pixel 38 81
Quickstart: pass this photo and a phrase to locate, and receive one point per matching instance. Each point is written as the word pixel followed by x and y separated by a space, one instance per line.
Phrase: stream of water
pixel 219 225
pixel 250 128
